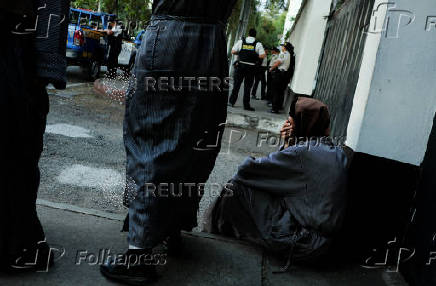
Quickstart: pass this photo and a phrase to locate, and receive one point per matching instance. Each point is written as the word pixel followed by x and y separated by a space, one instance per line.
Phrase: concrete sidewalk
pixel 206 259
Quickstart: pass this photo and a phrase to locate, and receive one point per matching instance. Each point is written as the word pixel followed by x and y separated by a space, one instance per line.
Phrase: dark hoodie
pixel 294 198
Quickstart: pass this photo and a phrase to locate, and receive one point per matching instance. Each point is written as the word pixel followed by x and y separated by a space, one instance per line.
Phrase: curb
pixel 120 218
pixel 79 210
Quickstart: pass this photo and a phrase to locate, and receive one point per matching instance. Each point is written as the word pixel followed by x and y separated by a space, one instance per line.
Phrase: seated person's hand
pixel 287 131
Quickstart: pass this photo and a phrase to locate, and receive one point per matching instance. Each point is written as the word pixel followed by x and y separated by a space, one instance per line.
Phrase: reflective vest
pixel 248 52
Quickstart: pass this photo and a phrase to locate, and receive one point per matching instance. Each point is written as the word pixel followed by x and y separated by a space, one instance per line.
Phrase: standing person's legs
pixel 238 78
pixel 24 110
pixel 277 94
pixel 281 97
pixel 263 84
pixel 256 83
pixel 248 84
pixel 166 138
pixel 112 62
pixel 269 85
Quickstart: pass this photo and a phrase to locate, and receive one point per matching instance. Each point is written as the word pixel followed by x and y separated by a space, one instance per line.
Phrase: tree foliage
pixel 267 16
pixel 131 11
pixel 273 4
pixel 269 25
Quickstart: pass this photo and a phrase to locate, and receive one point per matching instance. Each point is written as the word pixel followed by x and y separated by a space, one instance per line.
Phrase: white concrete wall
pixel 395 101
pixel 307 38
pixel 365 76
pixel 294 7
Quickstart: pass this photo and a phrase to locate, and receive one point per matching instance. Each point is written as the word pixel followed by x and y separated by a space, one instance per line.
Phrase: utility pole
pixel 242 27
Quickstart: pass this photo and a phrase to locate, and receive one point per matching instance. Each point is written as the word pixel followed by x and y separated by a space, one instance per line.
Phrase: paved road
pixel 76 75
pixel 83 162
pixel 83 165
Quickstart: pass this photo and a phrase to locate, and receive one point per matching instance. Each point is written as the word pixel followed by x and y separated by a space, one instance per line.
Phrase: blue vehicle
pixel 138 39
pixel 137 43
pixel 86 46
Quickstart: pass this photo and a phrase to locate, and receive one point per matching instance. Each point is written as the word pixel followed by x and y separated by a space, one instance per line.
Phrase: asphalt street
pixel 80 205
pixel 83 162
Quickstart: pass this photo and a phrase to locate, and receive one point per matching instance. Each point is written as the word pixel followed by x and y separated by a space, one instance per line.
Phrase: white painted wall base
pixel 307 38
pixel 395 101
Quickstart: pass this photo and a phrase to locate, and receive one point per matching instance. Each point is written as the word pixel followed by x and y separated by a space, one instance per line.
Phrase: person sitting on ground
pixel 292 201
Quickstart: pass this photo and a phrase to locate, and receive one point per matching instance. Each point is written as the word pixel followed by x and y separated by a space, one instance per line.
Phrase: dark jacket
pixel 49 39
pixel 292 198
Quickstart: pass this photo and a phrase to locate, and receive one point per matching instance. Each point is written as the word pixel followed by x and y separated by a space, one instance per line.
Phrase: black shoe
pixel 254 97
pixel 135 268
pixel 36 259
pixel 269 104
pixel 231 104
pixel 274 111
pixel 249 108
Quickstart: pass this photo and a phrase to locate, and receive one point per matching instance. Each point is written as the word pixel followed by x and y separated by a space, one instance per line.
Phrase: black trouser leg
pixel 269 90
pixel 256 83
pixel 25 229
pixel 237 82
pixel 248 84
pixel 263 85
pixel 23 112
pixel 278 91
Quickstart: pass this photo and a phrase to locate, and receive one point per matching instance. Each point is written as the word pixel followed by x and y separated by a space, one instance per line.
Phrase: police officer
pixel 249 52
pixel 115 43
pixel 274 56
pixel 282 72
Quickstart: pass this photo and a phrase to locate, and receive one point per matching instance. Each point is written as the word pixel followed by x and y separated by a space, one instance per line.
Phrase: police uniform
pixel 260 77
pixel 280 79
pixel 269 90
pixel 248 50
pixel 115 46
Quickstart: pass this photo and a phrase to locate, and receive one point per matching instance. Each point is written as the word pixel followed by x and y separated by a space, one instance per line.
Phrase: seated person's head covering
pixel 311 117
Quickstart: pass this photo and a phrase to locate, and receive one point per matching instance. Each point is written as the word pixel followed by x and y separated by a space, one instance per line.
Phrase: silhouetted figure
pixel 29 61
